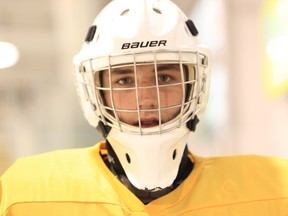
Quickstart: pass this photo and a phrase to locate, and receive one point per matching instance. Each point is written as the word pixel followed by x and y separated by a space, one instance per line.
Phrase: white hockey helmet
pixel 133 34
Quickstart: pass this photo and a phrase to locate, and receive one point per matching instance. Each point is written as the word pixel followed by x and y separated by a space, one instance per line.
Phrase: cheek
pixel 171 97
pixel 122 99
pixel 106 98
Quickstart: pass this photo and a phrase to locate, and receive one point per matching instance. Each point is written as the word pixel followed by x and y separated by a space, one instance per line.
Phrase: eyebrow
pixel 167 67
pixel 160 68
pixel 122 71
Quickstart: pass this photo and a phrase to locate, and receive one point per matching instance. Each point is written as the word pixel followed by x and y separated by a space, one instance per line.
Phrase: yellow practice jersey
pixel 78 183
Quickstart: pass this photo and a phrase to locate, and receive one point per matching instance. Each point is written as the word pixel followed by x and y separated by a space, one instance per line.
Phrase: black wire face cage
pixel 145 93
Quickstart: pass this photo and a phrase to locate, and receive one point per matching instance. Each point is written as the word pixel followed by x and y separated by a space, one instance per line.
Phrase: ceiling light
pixel 9 54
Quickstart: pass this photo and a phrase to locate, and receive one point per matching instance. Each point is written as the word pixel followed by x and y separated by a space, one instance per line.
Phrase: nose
pixel 148 97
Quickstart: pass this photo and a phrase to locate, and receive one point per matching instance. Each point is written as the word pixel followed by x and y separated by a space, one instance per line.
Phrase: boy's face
pixel 127 98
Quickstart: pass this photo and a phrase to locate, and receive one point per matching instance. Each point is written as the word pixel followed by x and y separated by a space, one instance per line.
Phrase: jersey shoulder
pixel 60 175
pixel 252 163
pixel 249 175
pixel 48 163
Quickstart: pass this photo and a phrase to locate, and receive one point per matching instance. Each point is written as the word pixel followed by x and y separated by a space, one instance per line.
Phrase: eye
pixel 164 78
pixel 125 81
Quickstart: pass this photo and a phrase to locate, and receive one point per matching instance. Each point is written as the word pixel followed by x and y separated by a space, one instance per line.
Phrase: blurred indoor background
pixel 248 104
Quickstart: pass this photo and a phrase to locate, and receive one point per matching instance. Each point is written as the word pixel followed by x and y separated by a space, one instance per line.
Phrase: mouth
pixel 148 123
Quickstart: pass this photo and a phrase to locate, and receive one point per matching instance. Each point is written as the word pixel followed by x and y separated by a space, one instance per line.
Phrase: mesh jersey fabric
pixel 77 182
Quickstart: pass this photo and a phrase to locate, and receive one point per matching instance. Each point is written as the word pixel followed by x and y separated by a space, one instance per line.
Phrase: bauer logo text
pixel 143 44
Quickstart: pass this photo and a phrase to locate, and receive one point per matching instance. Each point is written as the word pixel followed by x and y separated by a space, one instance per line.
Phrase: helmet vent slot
pixel 128 158
pixel 91 33
pixel 192 28
pixel 157 10
pixel 124 12
pixel 174 154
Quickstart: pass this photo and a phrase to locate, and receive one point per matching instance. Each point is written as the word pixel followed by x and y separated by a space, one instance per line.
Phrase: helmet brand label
pixel 143 44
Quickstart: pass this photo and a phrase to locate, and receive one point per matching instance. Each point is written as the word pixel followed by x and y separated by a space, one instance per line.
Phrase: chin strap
pixel 192 123
pixel 113 162
pixel 103 129
pixel 147 196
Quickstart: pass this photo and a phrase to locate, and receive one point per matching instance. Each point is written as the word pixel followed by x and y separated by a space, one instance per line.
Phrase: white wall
pixel 255 123
pixel 259 122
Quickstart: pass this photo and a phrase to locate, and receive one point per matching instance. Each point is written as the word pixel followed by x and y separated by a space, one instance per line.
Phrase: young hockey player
pixel 143 82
